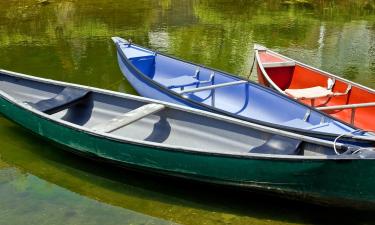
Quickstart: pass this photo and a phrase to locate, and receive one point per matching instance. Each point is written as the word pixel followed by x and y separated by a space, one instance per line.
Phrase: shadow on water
pixel 176 200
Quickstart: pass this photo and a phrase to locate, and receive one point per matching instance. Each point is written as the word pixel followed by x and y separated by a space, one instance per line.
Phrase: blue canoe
pixel 166 78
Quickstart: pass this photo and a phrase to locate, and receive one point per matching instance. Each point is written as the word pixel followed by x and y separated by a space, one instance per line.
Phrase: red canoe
pixel 341 98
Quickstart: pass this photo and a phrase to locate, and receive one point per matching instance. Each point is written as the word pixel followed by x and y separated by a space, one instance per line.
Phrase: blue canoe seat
pixel 179 82
pixel 68 97
pixel 279 145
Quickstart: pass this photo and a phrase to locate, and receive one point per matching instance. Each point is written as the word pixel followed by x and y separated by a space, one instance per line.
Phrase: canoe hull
pixel 339 182
pixel 301 76
pixel 149 88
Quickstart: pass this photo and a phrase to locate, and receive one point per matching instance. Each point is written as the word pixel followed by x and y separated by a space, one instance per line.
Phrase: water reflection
pixel 27 199
pixel 70 41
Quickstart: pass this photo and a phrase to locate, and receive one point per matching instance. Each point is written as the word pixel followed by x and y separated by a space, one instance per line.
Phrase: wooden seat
pixel 309 93
pixel 316 92
pixel 128 118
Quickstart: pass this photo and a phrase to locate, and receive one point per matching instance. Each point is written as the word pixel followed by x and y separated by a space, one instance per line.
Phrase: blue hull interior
pixel 245 100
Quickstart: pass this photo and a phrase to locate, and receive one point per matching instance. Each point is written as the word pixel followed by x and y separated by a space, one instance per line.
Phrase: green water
pixel 69 40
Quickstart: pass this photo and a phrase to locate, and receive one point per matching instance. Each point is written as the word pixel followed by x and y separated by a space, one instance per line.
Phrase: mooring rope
pixel 352 132
pixel 252 67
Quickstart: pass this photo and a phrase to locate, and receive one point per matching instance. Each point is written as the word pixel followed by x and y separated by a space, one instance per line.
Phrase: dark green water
pixel 69 40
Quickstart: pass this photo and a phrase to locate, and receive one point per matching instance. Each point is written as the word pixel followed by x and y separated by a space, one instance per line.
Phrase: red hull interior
pixel 299 77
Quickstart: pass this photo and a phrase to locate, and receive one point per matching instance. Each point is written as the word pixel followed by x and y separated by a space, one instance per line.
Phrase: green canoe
pixel 174 140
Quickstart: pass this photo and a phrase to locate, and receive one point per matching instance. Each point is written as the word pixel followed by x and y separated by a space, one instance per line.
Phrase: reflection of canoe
pixel 341 98
pixel 161 77
pixel 179 141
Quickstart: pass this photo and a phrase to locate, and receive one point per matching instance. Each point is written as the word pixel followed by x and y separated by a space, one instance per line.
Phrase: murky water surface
pixel 69 40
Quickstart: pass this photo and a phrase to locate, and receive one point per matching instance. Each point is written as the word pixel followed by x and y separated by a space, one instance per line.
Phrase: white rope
pixel 352 132
pixel 338 137
pixel 252 67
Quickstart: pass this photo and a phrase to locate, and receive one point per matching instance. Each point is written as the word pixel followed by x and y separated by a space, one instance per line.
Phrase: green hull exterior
pixel 338 182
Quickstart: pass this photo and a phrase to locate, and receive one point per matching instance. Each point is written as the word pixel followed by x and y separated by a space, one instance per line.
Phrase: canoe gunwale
pixel 161 88
pixel 328 74
pixel 166 147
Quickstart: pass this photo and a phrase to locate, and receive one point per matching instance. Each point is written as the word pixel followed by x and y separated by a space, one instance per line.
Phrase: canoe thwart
pixel 213 87
pixel 67 98
pixel 128 118
pixel 349 106
pixel 353 107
